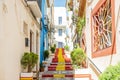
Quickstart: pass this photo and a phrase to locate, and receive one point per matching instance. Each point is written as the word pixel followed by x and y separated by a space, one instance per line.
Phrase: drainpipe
pixel 114 42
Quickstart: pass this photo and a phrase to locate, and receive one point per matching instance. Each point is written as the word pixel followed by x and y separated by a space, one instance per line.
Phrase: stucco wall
pixel 60 12
pixel 68 29
pixel 102 62
pixel 12 44
pixel 60 38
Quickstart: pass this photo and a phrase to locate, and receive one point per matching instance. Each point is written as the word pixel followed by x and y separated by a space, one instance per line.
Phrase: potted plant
pixel 78 57
pixel 46 54
pixel 55 46
pixel 52 49
pixel 41 67
pixel 28 61
pixel 66 47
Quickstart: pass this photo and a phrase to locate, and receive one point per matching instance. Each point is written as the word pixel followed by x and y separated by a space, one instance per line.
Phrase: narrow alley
pixel 60 68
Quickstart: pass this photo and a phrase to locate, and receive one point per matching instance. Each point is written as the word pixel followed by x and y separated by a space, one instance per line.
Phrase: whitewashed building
pixel 50 14
pixel 60 24
pixel 19 33
pixel 69 30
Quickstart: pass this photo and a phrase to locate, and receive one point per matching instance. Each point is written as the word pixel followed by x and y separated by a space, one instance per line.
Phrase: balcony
pixel 34 6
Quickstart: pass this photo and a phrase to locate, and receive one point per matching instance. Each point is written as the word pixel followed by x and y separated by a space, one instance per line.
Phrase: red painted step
pixel 51 75
pixel 47 75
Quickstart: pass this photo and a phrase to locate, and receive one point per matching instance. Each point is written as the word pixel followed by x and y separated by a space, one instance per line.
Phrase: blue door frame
pixel 43 30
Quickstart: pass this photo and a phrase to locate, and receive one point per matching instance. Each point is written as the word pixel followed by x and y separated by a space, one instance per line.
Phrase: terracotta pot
pixel 84 64
pixel 42 69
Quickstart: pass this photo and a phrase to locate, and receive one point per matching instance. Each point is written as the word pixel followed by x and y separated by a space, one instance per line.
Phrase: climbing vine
pixel 80 23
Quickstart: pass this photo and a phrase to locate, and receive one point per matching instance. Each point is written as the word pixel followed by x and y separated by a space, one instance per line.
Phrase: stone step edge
pixel 70 75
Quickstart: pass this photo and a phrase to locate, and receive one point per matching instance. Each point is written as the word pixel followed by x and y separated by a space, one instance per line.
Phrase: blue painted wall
pixel 43 35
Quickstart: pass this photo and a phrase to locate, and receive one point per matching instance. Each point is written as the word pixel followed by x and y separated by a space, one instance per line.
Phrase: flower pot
pixel 42 69
pixel 26 76
pixel 84 64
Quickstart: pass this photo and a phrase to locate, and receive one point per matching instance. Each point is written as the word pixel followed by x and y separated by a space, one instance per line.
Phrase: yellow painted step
pixel 60 67
pixel 59 75
pixel 26 78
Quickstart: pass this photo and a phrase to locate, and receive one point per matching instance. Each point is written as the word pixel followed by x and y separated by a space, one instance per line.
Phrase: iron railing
pixel 94 65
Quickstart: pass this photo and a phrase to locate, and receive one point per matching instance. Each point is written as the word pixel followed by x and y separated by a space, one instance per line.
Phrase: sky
pixel 59 3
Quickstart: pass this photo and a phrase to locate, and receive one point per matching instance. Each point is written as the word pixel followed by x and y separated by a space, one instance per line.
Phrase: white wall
pixel 116 57
pixel 60 38
pixel 102 62
pixel 69 25
pixel 60 12
pixel 12 44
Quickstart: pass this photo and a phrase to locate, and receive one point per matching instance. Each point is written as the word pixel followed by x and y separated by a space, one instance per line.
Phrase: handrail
pixel 94 65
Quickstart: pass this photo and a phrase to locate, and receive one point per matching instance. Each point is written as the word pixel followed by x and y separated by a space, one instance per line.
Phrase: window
pixel 103 29
pixel 60 45
pixel 60 32
pixel 31 41
pixel 59 20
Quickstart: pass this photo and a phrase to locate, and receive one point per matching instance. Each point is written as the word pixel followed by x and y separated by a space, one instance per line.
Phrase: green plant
pixel 54 45
pixel 78 56
pixel 46 54
pixel 29 60
pixel 111 73
pixel 76 46
pixel 80 23
pixel 41 67
pixel 52 49
pixel 70 5
pixel 66 47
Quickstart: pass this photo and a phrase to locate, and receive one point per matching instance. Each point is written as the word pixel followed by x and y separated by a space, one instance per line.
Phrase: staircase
pixel 61 68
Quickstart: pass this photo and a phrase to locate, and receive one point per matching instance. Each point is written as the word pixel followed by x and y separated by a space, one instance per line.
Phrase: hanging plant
pixel 80 23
